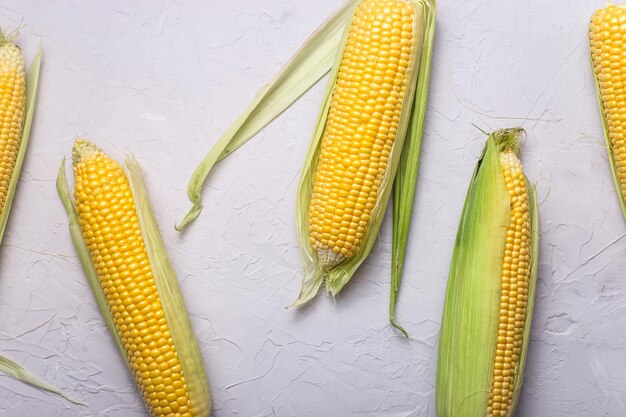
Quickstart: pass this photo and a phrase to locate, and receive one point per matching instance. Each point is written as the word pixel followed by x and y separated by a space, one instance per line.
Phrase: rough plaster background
pixel 164 79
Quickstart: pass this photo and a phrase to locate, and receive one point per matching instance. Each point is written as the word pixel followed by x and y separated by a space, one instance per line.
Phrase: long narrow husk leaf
pixel 609 145
pixel 85 260
pixel 306 67
pixel 469 325
pixel 406 178
pixel 32 84
pixel 338 277
pixel 18 372
pixel 187 347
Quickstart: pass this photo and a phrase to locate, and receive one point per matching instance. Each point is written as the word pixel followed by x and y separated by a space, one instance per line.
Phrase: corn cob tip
pixel 8 36
pixel 82 149
pixel 509 139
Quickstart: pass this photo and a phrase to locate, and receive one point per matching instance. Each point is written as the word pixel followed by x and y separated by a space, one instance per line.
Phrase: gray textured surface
pixel 163 79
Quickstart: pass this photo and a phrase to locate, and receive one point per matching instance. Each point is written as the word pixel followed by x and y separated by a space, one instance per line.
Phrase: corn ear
pixel 468 369
pixel 337 274
pixel 307 66
pixel 187 351
pixel 606 30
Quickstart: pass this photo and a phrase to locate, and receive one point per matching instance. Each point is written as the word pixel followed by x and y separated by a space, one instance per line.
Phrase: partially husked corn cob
pixel 489 307
pixel 607 36
pixel 368 135
pixel 361 128
pixel 378 89
pixel 12 108
pixel 111 229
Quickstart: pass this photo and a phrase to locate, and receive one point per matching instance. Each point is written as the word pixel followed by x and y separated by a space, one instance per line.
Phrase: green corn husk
pixel 406 177
pixel 189 354
pixel 471 314
pixel 406 148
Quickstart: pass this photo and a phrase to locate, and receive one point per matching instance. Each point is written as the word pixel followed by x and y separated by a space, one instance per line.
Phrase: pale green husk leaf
pixel 16 371
pixel 307 66
pixel 469 325
pixel 406 178
pixel 32 83
pixel 189 353
pixel 609 145
pixel 339 276
pixel 470 321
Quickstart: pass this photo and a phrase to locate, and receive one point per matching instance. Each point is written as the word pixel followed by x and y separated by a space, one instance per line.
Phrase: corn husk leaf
pixel 18 372
pixel 32 84
pixel 406 178
pixel 471 314
pixel 189 353
pixel 609 145
pixel 307 66
pixel 469 327
pixel 339 276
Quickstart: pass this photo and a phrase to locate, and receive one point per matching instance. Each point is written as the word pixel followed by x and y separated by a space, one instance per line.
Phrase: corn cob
pixel 606 33
pixel 12 109
pixel 489 301
pixel 110 222
pixel 356 150
pixel 361 128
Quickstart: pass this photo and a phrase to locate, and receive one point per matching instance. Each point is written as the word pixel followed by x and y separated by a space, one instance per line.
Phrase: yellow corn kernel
pixel 515 284
pixel 361 128
pixel 110 225
pixel 12 104
pixel 606 33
